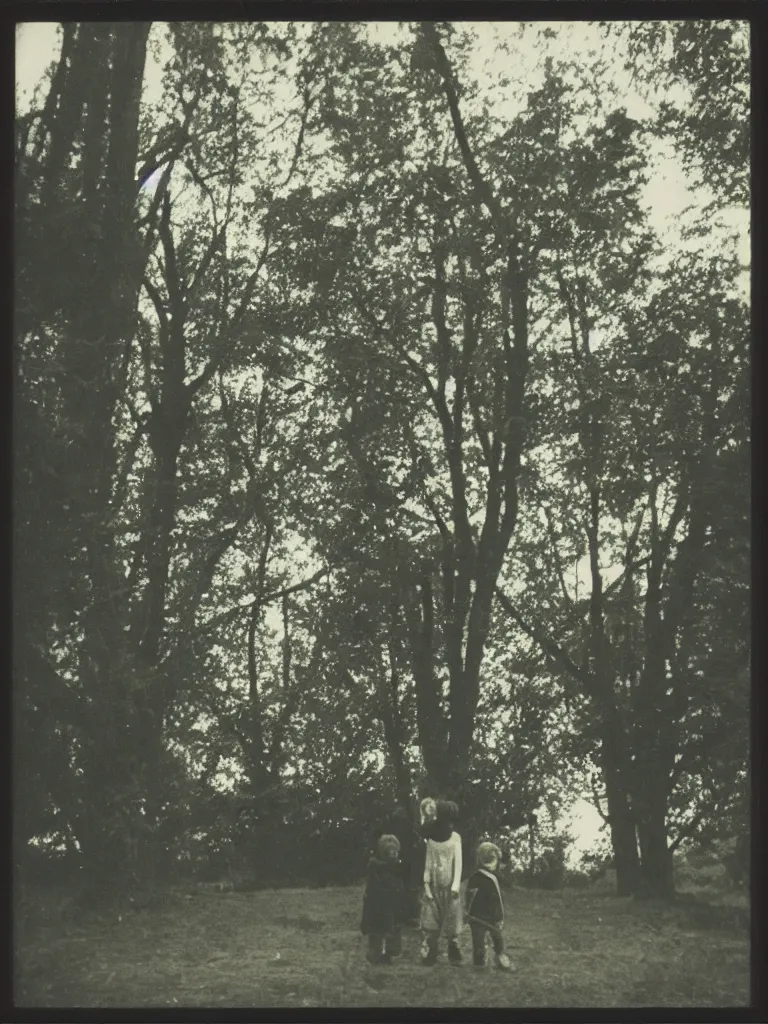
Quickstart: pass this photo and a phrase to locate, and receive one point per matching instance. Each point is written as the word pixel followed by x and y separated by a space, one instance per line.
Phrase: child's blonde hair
pixel 486 854
pixel 388 848
pixel 428 804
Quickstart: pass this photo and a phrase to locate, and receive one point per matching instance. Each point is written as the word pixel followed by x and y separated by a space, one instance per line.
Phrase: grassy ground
pixel 302 947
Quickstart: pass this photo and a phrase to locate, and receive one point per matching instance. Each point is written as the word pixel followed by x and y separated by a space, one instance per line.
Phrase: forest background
pixel 382 409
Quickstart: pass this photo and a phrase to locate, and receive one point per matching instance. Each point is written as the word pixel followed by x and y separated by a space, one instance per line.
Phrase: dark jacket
pixel 484 902
pixel 412 848
pixel 384 899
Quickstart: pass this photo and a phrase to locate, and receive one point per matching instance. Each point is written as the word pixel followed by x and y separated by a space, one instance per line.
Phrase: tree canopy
pixel 376 437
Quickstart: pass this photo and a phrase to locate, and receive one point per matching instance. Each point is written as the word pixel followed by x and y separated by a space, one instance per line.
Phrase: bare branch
pixel 300 140
pixel 545 642
pixel 296 587
pixel 157 302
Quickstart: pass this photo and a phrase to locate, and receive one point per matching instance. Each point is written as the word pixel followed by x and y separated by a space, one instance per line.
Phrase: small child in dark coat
pixel 485 907
pixel 384 902
pixel 400 826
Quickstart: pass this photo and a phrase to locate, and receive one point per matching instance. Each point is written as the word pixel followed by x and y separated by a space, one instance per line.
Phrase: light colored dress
pixel 442 873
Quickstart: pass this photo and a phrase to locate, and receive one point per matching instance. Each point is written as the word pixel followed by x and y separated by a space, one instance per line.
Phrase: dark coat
pixel 411 855
pixel 384 899
pixel 484 901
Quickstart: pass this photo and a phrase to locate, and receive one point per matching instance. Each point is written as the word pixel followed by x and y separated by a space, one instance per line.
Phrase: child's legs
pixel 478 942
pixel 375 947
pixel 413 904
pixel 497 938
pixel 393 943
pixel 430 915
pixel 447 916
pixel 429 944
pixel 453 917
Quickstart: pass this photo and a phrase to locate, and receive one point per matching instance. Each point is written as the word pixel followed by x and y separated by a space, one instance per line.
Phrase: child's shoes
pixel 428 953
pixel 502 962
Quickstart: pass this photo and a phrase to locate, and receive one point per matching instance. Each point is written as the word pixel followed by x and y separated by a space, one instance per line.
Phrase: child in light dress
pixel 441 913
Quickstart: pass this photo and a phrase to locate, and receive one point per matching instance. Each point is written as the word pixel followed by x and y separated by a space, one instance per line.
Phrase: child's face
pixel 493 865
pixel 428 811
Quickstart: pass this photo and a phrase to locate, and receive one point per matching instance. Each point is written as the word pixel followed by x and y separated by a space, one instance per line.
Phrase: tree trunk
pixel 391 714
pixel 622 826
pixel 531 848
pixel 657 874
pixel 77 289
pixel 430 716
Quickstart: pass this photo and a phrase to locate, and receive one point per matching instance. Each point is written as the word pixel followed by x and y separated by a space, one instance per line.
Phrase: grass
pixel 302 947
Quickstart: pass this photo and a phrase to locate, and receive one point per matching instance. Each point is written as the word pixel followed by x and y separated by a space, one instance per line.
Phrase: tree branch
pixel 204 264
pixel 300 139
pixel 483 191
pixel 558 563
pixel 296 587
pixel 547 645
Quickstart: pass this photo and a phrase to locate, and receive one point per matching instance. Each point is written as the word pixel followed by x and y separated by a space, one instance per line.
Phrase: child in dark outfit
pixel 400 826
pixel 383 902
pixel 485 907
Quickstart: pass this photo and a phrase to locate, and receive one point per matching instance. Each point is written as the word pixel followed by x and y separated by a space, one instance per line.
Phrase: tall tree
pixel 79 266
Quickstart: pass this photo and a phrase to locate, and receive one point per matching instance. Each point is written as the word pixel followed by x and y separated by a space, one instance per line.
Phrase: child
pixel 428 809
pixel 485 907
pixel 383 902
pixel 428 813
pixel 441 909
pixel 399 825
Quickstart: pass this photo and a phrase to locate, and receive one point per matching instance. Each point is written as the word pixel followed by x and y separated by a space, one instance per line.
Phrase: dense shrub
pixel 594 864
pixel 577 879
pixel 549 868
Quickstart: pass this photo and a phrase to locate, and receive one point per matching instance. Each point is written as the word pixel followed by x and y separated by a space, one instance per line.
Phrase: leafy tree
pixel 307 487
pixel 654 468
pixel 703 67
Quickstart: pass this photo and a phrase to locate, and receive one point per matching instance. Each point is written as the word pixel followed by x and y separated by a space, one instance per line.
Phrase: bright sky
pixel 667 195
